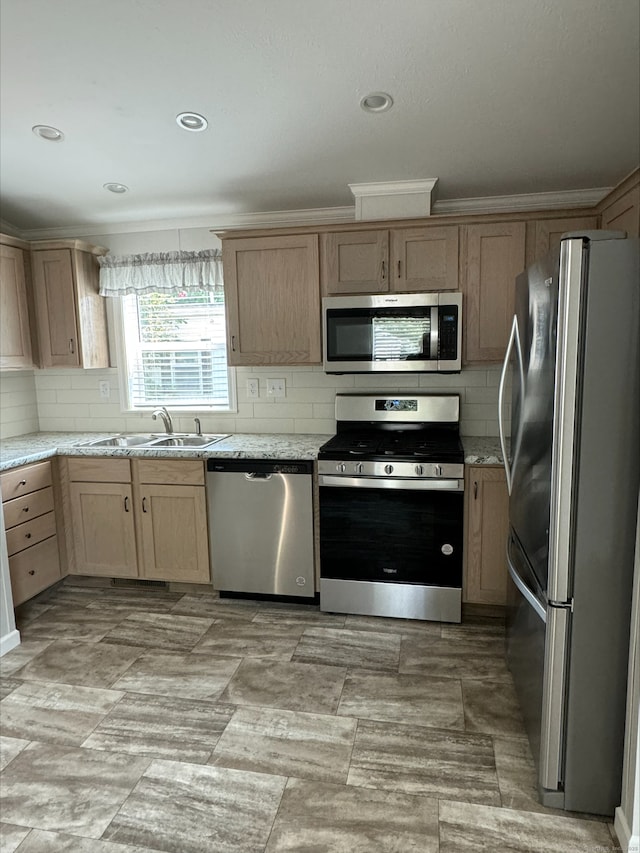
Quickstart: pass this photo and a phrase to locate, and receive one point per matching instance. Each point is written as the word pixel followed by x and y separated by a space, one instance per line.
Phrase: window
pixel 174 348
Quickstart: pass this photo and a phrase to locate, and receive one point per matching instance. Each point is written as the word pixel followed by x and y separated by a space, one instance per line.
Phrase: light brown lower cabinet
pixel 486 523
pixel 127 524
pixel 30 522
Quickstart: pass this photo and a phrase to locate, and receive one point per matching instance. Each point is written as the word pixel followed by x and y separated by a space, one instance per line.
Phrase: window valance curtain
pixel 160 272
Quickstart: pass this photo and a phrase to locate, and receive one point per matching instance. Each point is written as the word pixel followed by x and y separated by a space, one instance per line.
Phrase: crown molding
pixel 524 202
pixel 11 230
pixel 314 216
pixel 215 222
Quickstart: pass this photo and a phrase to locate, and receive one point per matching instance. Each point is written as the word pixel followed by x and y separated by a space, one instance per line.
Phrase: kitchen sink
pixel 159 440
pixel 187 441
pixel 133 440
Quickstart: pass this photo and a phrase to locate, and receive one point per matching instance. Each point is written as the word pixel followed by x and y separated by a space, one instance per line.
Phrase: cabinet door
pixel 494 256
pixel 487 522
pixel 424 259
pixel 173 533
pixel 624 213
pixel 549 231
pixel 15 336
pixel 103 529
pixel 55 308
pixel 355 262
pixel 273 300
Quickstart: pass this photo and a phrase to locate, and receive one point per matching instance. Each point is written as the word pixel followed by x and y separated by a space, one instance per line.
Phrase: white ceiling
pixel 491 96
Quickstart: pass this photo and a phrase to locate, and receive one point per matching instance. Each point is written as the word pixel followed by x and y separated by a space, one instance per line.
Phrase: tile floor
pixel 136 720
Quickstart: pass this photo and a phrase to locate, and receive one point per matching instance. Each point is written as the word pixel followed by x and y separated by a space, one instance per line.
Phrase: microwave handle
pixel 435 332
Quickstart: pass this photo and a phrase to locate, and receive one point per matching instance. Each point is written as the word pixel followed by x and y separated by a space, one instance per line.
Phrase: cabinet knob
pixel 27 536
pixel 32 571
pixel 23 482
pixel 25 509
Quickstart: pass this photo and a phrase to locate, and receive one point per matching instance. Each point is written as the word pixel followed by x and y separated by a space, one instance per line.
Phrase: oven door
pixel 392 530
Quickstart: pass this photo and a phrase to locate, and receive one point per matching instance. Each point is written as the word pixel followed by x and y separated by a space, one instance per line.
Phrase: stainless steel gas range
pixel 391 507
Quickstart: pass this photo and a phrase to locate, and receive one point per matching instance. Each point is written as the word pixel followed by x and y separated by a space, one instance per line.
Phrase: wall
pixel 18 403
pixel 69 400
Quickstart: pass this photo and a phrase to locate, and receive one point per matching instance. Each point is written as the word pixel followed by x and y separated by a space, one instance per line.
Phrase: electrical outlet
pixel 253 388
pixel 276 388
pixel 105 390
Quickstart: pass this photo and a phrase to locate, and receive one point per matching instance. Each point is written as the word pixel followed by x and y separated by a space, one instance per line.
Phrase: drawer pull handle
pixel 126 503
pixel 32 571
pixel 144 504
pixel 23 482
pixel 27 536
pixel 399 268
pixel 72 348
pixel 475 490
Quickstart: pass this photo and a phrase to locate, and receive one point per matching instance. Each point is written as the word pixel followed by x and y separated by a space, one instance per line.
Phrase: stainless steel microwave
pixel 392 333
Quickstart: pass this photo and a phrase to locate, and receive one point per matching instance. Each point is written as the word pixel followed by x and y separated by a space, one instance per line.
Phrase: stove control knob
pixel 419 470
pixel 358 468
pixel 341 467
pixel 438 470
pixel 388 469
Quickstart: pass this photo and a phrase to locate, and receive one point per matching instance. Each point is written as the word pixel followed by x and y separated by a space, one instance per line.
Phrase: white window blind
pixel 175 348
pixel 396 338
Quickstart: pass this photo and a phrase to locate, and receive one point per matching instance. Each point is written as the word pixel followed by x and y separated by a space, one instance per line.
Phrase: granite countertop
pixel 34 447
pixel 483 450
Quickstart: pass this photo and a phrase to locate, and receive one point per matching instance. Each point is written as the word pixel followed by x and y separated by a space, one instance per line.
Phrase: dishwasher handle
pixel 257 477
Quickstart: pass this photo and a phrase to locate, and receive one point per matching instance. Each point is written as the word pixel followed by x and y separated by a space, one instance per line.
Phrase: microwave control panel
pixel 448 333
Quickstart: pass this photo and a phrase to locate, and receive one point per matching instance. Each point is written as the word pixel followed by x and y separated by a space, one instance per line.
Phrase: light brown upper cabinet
pixel 272 292
pixel 403 260
pixel 15 331
pixel 623 212
pixel 549 231
pixel 70 315
pixel 494 255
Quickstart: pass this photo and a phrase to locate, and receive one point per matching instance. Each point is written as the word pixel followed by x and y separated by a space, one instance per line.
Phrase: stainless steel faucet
pixel 198 426
pixel 166 418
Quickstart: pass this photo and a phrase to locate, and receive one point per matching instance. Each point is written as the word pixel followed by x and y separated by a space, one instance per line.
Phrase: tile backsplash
pixel 69 400
pixel 18 403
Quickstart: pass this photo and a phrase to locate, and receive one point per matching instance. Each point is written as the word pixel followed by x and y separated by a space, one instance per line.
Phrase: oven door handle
pixel 388 483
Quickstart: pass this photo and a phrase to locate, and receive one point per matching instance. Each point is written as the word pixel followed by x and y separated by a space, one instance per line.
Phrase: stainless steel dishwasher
pixel 261 527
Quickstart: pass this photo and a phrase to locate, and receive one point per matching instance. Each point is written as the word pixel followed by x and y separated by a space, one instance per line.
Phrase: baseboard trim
pixel 628 843
pixel 9 641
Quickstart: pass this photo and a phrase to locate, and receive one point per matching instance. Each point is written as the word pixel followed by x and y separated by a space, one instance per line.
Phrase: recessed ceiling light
pixel 116 188
pixel 376 102
pixel 45 131
pixel 192 121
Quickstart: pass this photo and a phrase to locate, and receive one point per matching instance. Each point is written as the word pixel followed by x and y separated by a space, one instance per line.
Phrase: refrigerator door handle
pixel 514 338
pixel 553 698
pixel 528 593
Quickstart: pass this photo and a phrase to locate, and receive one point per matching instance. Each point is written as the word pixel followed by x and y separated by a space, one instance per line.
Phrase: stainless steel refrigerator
pixel 573 473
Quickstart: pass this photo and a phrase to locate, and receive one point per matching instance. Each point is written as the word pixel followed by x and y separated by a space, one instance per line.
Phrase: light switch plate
pixel 105 390
pixel 253 388
pixel 276 388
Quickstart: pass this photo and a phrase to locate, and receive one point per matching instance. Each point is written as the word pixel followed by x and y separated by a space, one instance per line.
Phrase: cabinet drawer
pixel 34 569
pixel 93 470
pixel 179 472
pixel 30 533
pixel 21 481
pixel 30 506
